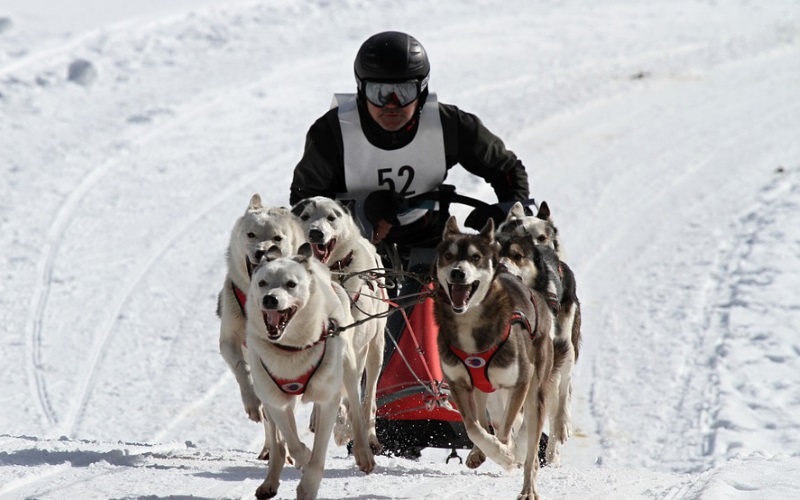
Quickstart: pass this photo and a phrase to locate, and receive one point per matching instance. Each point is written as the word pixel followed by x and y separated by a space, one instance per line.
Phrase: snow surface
pixel 664 135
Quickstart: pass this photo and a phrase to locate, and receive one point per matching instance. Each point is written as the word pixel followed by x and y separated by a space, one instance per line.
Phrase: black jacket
pixel 468 142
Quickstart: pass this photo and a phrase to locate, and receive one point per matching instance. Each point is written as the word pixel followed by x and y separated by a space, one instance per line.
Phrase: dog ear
pixel 304 252
pixel 544 211
pixel 451 227
pixel 301 205
pixel 272 253
pixel 488 230
pixel 517 212
pixel 255 202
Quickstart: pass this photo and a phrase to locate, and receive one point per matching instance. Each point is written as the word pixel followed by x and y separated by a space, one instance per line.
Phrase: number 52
pixel 404 173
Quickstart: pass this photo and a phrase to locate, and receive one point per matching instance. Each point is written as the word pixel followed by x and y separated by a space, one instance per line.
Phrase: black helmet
pixel 392 56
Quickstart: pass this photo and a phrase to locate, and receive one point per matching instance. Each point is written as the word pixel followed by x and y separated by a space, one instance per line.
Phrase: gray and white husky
pixel 528 249
pixel 539 227
pixel 259 228
pixel 338 243
pixel 296 353
pixel 495 342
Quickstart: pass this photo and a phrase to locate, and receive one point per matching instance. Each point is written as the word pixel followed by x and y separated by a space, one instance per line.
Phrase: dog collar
pixel 477 364
pixel 343 263
pixel 329 330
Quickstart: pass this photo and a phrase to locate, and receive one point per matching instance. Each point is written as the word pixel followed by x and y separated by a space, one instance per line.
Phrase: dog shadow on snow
pixel 290 474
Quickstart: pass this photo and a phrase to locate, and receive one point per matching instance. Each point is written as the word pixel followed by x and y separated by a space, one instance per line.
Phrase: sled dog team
pixel 303 318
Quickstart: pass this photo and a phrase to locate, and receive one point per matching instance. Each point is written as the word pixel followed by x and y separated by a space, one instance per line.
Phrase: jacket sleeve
pixel 320 172
pixel 469 143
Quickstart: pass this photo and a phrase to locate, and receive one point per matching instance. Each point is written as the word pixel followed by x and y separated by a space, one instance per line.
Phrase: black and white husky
pixel 495 341
pixel 296 353
pixel 259 228
pixel 529 249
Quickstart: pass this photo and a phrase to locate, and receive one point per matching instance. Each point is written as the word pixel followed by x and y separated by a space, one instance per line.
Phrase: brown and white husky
pixel 495 342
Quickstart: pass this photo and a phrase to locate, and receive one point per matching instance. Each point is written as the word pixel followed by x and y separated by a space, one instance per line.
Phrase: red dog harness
pixel 477 364
pixel 241 298
pixel 297 386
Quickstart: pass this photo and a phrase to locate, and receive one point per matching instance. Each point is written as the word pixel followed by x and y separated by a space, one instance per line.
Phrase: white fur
pixel 326 221
pixel 305 284
pixel 257 229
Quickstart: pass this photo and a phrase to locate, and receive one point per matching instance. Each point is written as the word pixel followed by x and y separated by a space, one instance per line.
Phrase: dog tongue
pixel 459 295
pixel 273 317
pixel 322 252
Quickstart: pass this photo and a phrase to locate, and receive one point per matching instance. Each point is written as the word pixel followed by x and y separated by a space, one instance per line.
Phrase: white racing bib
pixel 417 168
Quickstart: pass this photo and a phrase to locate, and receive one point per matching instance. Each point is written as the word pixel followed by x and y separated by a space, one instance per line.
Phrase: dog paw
pixel 375 445
pixel 312 420
pixel 475 458
pixel 529 494
pixel 365 460
pixel 342 431
pixel 266 491
pixel 306 492
pixel 252 406
pixel 562 432
pixel 264 454
pixel 302 457
pixel 553 453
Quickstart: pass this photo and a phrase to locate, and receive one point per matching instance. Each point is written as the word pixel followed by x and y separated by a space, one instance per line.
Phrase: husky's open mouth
pixel 323 252
pixel 276 321
pixel 460 294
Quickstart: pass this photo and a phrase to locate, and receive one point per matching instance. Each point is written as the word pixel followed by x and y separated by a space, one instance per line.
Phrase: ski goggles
pixel 382 93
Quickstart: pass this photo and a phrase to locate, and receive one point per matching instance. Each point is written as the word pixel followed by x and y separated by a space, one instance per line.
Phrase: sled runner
pixel 413 407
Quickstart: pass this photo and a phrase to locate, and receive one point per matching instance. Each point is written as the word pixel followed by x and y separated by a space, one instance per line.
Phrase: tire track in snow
pixel 64 216
pixel 45 272
pixel 102 336
pixel 44 269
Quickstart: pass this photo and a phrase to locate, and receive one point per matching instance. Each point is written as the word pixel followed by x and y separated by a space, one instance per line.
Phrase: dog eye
pixel 291 284
pixel 448 256
pixel 304 217
pixel 251 235
pixel 517 257
pixel 475 257
pixel 277 238
pixel 262 283
pixel 541 238
pixel 331 218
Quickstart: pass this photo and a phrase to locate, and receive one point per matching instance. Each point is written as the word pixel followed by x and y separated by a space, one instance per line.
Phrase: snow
pixel 663 135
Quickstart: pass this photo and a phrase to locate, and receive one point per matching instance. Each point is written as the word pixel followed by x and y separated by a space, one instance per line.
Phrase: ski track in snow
pixel 747 236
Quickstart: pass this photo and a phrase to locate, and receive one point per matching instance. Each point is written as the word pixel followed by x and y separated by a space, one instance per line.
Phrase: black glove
pixel 384 205
pixel 478 217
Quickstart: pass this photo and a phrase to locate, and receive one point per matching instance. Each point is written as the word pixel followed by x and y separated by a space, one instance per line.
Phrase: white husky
pixel 257 229
pixel 295 313
pixel 338 243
